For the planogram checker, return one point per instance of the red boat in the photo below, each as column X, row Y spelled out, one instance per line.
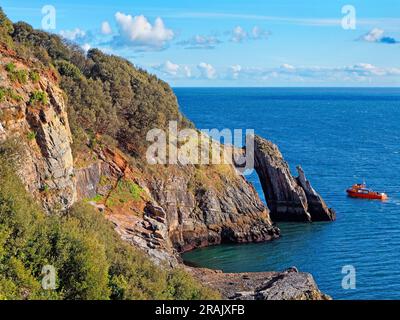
column 361, row 191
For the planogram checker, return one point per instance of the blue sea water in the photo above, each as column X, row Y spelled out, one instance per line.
column 340, row 137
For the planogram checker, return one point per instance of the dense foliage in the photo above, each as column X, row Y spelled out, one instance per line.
column 106, row 94
column 91, row 261
column 107, row 97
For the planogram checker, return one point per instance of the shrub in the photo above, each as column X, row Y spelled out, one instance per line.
column 34, row 76
column 125, row 191
column 10, row 67
column 31, row 135
column 13, row 95
column 20, row 76
column 38, row 97
column 9, row 93
column 90, row 259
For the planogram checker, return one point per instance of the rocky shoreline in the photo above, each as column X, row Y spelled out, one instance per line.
column 287, row 285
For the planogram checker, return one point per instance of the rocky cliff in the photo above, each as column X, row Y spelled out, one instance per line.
column 183, row 208
column 163, row 210
column 33, row 116
column 289, row 198
column 205, row 215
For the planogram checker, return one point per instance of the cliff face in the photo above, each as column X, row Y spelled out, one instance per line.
column 185, row 208
column 40, row 131
column 170, row 215
column 287, row 285
column 288, row 198
column 164, row 210
column 203, row 216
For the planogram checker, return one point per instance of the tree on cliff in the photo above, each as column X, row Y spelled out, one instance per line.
column 106, row 94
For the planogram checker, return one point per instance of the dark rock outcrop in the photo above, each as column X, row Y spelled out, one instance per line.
column 199, row 217
column 287, row 285
column 288, row 198
column 316, row 205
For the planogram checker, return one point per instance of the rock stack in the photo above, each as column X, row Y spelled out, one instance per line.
column 288, row 198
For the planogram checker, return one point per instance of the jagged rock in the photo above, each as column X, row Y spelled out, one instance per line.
column 286, row 285
column 316, row 205
column 288, row 198
column 42, row 132
column 202, row 217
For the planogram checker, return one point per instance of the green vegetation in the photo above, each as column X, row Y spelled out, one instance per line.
column 125, row 191
column 90, row 259
column 107, row 97
column 6, row 29
column 106, row 94
column 9, row 94
column 20, row 76
column 10, row 67
column 31, row 135
column 34, row 76
column 96, row 198
column 38, row 97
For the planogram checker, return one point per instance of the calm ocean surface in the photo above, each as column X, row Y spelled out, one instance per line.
column 340, row 137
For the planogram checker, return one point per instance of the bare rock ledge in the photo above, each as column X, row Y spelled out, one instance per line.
column 287, row 285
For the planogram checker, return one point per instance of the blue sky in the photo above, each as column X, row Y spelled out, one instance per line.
column 236, row 43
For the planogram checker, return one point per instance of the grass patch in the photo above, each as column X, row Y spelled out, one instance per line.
column 31, row 135
column 34, row 76
column 125, row 191
column 97, row 198
column 9, row 94
column 10, row 67
column 20, row 76
column 38, row 97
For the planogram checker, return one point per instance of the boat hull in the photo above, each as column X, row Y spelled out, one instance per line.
column 371, row 196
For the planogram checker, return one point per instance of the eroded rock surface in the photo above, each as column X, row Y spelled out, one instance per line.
column 199, row 217
column 41, row 134
column 287, row 285
column 288, row 198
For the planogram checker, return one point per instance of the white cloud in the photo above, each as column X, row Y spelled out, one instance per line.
column 200, row 42
column 374, row 35
column 86, row 47
column 188, row 71
column 73, row 35
column 174, row 70
column 106, row 28
column 287, row 67
column 170, row 68
column 259, row 33
column 235, row 71
column 377, row 35
column 286, row 72
column 238, row 34
column 138, row 31
column 207, row 70
column 367, row 69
